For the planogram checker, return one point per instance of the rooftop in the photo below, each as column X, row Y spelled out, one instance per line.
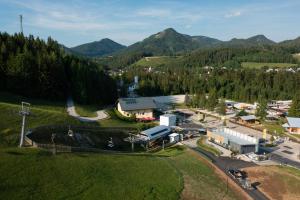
column 141, row 103
column 293, row 122
column 248, row 117
column 156, row 132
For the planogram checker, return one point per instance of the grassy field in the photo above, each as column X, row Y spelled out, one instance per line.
column 42, row 113
column 273, row 127
column 277, row 182
column 256, row 65
column 157, row 61
column 34, row 174
column 87, row 110
column 200, row 181
column 201, row 144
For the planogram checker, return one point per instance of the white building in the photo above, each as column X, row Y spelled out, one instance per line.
column 167, row 120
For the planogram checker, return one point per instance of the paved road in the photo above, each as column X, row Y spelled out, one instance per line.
column 224, row 163
column 101, row 114
column 282, row 160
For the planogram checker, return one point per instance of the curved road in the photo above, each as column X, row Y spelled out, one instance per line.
column 101, row 114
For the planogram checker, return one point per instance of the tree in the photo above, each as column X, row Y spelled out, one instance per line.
column 294, row 111
column 242, row 113
column 261, row 110
column 212, row 100
column 221, row 109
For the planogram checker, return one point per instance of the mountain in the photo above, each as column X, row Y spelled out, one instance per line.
column 206, row 42
column 258, row 40
column 98, row 48
column 169, row 42
column 292, row 46
column 166, row 42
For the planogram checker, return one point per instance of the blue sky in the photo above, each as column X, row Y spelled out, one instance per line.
column 73, row 22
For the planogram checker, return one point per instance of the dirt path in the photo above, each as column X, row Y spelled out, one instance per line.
column 101, row 114
column 275, row 182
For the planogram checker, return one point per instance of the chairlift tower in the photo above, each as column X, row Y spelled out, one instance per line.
column 131, row 140
column 21, row 23
column 25, row 111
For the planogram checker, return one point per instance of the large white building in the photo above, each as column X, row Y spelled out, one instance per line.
column 141, row 108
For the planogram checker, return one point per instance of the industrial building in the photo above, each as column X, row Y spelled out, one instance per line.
column 233, row 140
column 155, row 133
column 142, row 108
column 167, row 120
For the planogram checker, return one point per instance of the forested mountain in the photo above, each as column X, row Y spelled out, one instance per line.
column 255, row 41
column 206, row 42
column 167, row 42
column 170, row 42
column 35, row 68
column 293, row 46
column 98, row 48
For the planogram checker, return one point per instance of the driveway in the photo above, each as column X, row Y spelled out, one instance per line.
column 101, row 114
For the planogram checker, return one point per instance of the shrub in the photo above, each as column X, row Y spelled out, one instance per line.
column 122, row 117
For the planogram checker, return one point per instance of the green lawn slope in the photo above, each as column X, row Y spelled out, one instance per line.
column 35, row 174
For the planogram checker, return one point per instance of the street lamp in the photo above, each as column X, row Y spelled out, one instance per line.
column 25, row 111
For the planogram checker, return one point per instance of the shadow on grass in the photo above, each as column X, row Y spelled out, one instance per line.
column 15, row 153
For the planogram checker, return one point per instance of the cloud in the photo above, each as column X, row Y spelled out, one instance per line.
column 233, row 14
column 154, row 12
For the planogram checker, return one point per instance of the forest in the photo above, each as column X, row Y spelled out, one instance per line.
column 247, row 85
column 35, row 68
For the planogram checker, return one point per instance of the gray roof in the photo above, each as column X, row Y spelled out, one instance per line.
column 140, row 103
column 248, row 117
column 156, row 132
column 293, row 122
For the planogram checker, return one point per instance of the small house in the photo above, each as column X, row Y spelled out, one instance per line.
column 292, row 125
column 248, row 119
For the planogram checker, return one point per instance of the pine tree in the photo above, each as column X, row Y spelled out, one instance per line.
column 294, row 111
column 221, row 109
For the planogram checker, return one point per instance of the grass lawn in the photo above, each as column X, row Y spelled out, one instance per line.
column 86, row 110
column 202, row 144
column 42, row 113
column 200, row 180
column 273, row 127
column 34, row 174
column 278, row 182
column 260, row 65
column 157, row 61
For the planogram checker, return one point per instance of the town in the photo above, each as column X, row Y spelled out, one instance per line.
column 169, row 100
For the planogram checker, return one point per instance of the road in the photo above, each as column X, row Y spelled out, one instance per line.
column 224, row 163
column 101, row 114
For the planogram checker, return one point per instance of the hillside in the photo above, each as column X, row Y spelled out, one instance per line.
column 98, row 48
column 255, row 41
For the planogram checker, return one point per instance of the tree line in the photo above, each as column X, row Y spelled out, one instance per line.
column 36, row 68
column 247, row 85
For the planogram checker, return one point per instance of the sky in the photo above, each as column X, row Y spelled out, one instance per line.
column 74, row 22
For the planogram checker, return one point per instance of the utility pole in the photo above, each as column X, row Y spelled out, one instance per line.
column 131, row 139
column 21, row 23
column 25, row 111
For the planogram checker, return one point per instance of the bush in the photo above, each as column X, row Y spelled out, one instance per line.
column 122, row 117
